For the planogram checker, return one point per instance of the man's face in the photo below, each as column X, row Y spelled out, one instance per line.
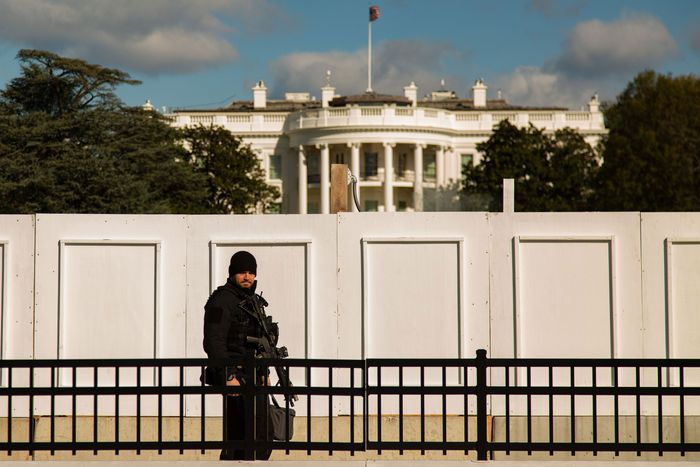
column 244, row 279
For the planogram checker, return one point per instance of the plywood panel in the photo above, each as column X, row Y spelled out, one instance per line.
column 109, row 286
column 564, row 292
column 412, row 299
column 296, row 258
column 683, row 276
column 16, row 301
column 108, row 300
column 282, row 279
column 684, row 291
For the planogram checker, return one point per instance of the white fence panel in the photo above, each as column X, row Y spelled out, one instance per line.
column 413, row 285
column 296, row 273
column 564, row 285
column 373, row 285
column 109, row 286
column 16, row 298
column 670, row 278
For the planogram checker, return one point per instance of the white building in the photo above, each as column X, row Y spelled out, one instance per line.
column 406, row 153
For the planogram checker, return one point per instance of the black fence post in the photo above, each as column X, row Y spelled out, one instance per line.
column 249, row 404
column 365, row 406
column 481, row 414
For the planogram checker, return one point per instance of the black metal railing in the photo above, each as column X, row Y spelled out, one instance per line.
column 477, row 406
column 634, row 390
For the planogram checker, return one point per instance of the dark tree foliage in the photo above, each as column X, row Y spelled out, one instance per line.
column 651, row 159
column 235, row 181
column 551, row 173
column 101, row 161
column 68, row 144
column 57, row 85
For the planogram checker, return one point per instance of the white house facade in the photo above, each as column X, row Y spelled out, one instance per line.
column 406, row 153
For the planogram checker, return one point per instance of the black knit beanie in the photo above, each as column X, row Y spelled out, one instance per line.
column 242, row 261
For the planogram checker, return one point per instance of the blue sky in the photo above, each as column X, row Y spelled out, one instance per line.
column 204, row 53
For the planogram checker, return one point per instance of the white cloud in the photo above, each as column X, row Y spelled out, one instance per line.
column 596, row 57
column 397, row 63
column 596, row 48
column 142, row 35
column 394, row 65
column 534, row 86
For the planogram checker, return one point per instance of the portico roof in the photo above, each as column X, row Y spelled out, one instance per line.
column 370, row 98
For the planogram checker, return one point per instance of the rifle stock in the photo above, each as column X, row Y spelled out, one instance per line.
column 268, row 350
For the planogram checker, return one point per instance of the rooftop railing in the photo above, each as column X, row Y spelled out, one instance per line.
column 391, row 117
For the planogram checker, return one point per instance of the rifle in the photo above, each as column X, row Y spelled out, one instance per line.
column 267, row 343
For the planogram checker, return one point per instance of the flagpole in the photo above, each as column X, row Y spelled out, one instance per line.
column 373, row 15
column 369, row 56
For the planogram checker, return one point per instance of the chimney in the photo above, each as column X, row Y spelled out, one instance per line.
column 259, row 95
column 147, row 106
column 327, row 91
column 594, row 104
column 327, row 94
column 479, row 93
column 411, row 92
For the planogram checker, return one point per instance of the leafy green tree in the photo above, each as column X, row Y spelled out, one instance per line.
column 551, row 173
column 651, row 158
column 99, row 161
column 57, row 85
column 68, row 144
column 235, row 180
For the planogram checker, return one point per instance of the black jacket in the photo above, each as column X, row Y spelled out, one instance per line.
column 229, row 320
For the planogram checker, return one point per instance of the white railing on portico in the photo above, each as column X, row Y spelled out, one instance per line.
column 437, row 119
column 391, row 117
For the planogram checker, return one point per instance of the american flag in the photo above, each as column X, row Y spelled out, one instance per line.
column 373, row 13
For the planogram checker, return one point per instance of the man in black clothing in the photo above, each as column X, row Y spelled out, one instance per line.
column 229, row 319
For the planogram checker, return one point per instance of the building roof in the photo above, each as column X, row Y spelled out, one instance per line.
column 270, row 106
column 370, row 98
column 468, row 104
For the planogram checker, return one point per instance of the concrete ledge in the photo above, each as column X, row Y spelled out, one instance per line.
column 605, row 434
column 341, row 432
column 368, row 463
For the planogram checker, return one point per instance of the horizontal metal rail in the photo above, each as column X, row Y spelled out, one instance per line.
column 359, row 405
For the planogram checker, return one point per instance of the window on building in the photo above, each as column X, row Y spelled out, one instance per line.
column 467, row 160
column 312, row 208
column 313, row 169
column 275, row 167
column 371, row 205
column 339, row 158
column 371, row 164
column 402, row 206
column 429, row 167
column 401, row 165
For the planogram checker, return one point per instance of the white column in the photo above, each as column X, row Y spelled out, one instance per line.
column 303, row 181
column 389, row 177
column 458, row 165
column 418, row 177
column 450, row 166
column 325, row 180
column 440, row 167
column 355, row 169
